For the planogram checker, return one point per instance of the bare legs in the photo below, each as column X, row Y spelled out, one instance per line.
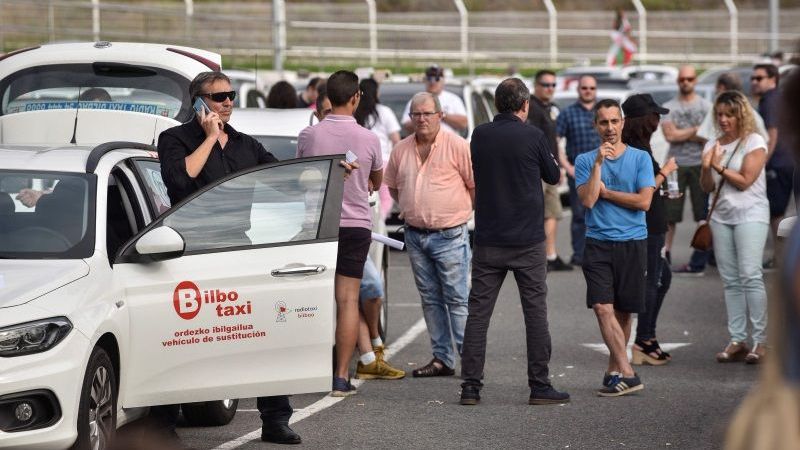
column 615, row 327
column 347, row 321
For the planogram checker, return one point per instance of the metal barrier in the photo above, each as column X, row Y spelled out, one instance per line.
column 356, row 32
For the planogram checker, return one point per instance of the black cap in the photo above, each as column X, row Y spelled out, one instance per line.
column 434, row 71
column 640, row 105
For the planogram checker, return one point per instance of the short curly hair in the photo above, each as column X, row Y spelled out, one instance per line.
column 740, row 108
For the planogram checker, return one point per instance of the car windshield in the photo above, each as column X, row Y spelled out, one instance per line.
column 46, row 215
column 111, row 86
column 282, row 147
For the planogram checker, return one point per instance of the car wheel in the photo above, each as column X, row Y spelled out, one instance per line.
column 383, row 317
column 97, row 411
column 210, row 414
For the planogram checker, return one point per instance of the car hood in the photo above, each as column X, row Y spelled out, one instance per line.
column 24, row 280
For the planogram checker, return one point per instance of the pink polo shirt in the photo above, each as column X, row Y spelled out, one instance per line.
column 338, row 134
column 433, row 194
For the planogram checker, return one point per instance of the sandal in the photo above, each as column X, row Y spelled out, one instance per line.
column 734, row 352
column 659, row 351
column 642, row 353
column 756, row 354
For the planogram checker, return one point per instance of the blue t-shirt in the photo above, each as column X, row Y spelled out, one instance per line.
column 631, row 172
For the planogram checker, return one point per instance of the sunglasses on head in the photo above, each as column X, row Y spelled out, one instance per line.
column 220, row 97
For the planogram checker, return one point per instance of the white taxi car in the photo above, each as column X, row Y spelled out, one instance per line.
column 110, row 302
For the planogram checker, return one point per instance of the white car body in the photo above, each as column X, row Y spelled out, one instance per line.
column 151, row 315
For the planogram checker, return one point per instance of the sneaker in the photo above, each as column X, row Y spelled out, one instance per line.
column 734, row 352
column 687, row 271
column 378, row 370
column 470, row 394
column 342, row 388
column 547, row 395
column 756, row 354
column 611, row 378
column 622, row 386
column 558, row 265
column 379, row 351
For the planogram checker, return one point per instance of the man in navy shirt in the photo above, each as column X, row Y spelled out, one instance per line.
column 615, row 183
column 576, row 124
column 510, row 159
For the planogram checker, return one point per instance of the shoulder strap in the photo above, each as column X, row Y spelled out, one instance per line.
column 722, row 181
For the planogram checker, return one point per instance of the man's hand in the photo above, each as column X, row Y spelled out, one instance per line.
column 211, row 123
column 370, row 187
column 29, row 197
column 669, row 166
column 349, row 168
column 603, row 190
column 606, row 150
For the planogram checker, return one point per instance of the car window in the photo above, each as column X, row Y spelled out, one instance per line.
column 479, row 110
column 154, row 187
column 282, row 147
column 107, row 86
column 46, row 215
column 490, row 101
column 277, row 205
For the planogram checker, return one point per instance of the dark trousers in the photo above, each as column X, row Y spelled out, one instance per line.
column 659, row 278
column 578, row 224
column 274, row 410
column 489, row 268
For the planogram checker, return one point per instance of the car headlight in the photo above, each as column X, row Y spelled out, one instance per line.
column 33, row 337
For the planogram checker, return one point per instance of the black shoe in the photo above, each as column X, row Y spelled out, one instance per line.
column 547, row 395
column 279, row 433
column 470, row 394
column 558, row 265
column 668, row 257
column 433, row 370
column 575, row 261
column 622, row 386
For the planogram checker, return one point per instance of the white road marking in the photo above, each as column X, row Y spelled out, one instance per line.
column 328, row 401
column 667, row 346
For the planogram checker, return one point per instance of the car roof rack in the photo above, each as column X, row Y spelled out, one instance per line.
column 99, row 151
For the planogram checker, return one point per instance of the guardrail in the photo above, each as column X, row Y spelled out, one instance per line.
column 357, row 32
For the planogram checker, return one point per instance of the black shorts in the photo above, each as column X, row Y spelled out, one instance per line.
column 616, row 272
column 353, row 249
column 779, row 189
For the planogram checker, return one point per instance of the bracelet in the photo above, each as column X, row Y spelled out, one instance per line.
column 720, row 170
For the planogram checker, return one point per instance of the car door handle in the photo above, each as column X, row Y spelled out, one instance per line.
column 298, row 271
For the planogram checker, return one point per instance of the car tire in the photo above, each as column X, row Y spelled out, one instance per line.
column 210, row 414
column 383, row 317
column 99, row 401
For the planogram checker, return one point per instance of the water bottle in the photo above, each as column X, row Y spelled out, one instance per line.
column 672, row 185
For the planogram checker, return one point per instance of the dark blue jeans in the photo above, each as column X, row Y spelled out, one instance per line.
column 578, row 225
column 659, row 277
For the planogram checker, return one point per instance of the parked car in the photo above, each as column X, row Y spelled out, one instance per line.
column 109, row 307
column 250, row 88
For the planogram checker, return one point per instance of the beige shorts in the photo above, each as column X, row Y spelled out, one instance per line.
column 552, row 202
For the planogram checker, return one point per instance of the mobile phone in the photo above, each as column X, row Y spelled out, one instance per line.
column 199, row 105
column 350, row 157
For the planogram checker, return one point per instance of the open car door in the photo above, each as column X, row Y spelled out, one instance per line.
column 230, row 292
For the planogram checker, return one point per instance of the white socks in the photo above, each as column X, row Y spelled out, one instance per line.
column 377, row 342
column 367, row 358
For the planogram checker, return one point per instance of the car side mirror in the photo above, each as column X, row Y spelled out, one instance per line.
column 160, row 244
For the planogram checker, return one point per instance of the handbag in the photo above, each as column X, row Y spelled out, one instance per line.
column 702, row 239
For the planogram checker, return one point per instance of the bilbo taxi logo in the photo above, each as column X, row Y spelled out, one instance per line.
column 188, row 299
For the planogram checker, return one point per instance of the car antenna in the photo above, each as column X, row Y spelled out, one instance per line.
column 155, row 127
column 77, row 107
column 258, row 88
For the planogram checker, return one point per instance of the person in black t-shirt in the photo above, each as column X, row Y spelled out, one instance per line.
column 641, row 120
column 510, row 159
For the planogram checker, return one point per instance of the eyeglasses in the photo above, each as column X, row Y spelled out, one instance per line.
column 220, row 97
column 418, row 115
column 588, row 88
column 757, row 78
column 547, row 85
column 686, row 79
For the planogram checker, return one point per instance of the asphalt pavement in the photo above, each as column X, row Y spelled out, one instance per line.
column 686, row 404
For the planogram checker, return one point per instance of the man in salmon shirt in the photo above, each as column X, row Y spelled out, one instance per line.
column 336, row 134
column 430, row 176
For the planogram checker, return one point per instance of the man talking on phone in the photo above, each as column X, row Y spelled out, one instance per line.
column 615, row 183
column 192, row 156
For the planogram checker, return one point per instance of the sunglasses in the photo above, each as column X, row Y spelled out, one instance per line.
column 686, row 79
column 547, row 85
column 588, row 88
column 433, row 79
column 757, row 78
column 220, row 97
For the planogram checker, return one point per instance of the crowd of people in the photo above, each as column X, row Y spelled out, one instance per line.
column 737, row 172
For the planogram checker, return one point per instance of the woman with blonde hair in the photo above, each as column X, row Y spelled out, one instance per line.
column 733, row 172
